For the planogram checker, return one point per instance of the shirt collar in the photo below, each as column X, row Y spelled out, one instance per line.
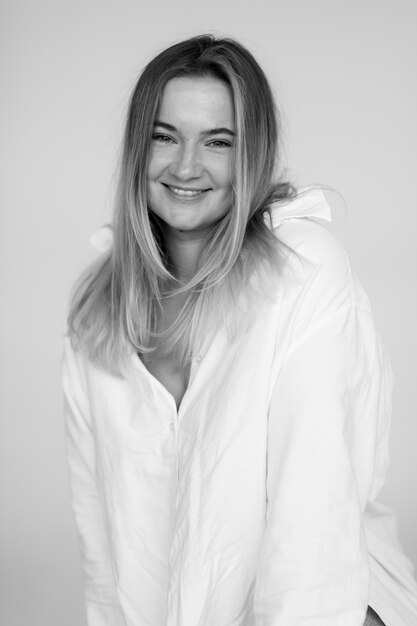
column 309, row 202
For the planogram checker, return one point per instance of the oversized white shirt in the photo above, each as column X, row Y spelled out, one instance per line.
column 255, row 503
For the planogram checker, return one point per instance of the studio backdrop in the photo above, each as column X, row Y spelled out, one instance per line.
column 344, row 75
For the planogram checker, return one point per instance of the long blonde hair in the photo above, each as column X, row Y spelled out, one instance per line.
column 117, row 302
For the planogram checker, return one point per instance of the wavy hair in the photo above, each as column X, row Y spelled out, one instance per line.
column 117, row 303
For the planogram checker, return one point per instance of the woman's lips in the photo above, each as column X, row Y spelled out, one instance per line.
column 185, row 193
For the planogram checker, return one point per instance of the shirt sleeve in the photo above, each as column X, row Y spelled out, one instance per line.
column 100, row 592
column 328, row 413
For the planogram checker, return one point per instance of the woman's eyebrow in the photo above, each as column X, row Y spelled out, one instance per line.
column 222, row 130
column 218, row 131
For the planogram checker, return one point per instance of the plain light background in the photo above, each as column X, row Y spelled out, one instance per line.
column 344, row 73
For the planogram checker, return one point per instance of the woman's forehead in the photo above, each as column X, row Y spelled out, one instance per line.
column 205, row 100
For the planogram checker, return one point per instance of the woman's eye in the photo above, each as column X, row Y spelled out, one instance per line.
column 220, row 143
column 161, row 138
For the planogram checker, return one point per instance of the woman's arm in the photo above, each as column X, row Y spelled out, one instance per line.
column 100, row 593
column 327, row 413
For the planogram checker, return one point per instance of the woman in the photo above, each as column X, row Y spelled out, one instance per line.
column 227, row 396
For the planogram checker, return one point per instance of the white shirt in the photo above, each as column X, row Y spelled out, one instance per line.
column 254, row 505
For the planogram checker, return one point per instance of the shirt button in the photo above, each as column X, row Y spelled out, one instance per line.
column 172, row 427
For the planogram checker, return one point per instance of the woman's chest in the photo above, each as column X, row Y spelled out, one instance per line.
column 226, row 388
column 171, row 374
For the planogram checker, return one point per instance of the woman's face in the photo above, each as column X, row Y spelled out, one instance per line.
column 189, row 173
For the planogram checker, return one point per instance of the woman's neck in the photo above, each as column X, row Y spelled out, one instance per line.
column 184, row 249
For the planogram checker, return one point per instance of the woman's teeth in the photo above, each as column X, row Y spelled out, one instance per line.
column 185, row 192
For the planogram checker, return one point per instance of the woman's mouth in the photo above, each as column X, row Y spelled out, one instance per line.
column 184, row 192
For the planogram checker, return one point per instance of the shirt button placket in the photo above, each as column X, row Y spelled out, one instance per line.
column 172, row 430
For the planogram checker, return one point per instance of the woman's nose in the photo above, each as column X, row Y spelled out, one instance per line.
column 187, row 163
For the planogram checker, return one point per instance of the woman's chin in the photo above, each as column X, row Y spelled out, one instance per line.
column 188, row 228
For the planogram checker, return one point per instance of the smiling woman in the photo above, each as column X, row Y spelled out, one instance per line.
column 227, row 394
